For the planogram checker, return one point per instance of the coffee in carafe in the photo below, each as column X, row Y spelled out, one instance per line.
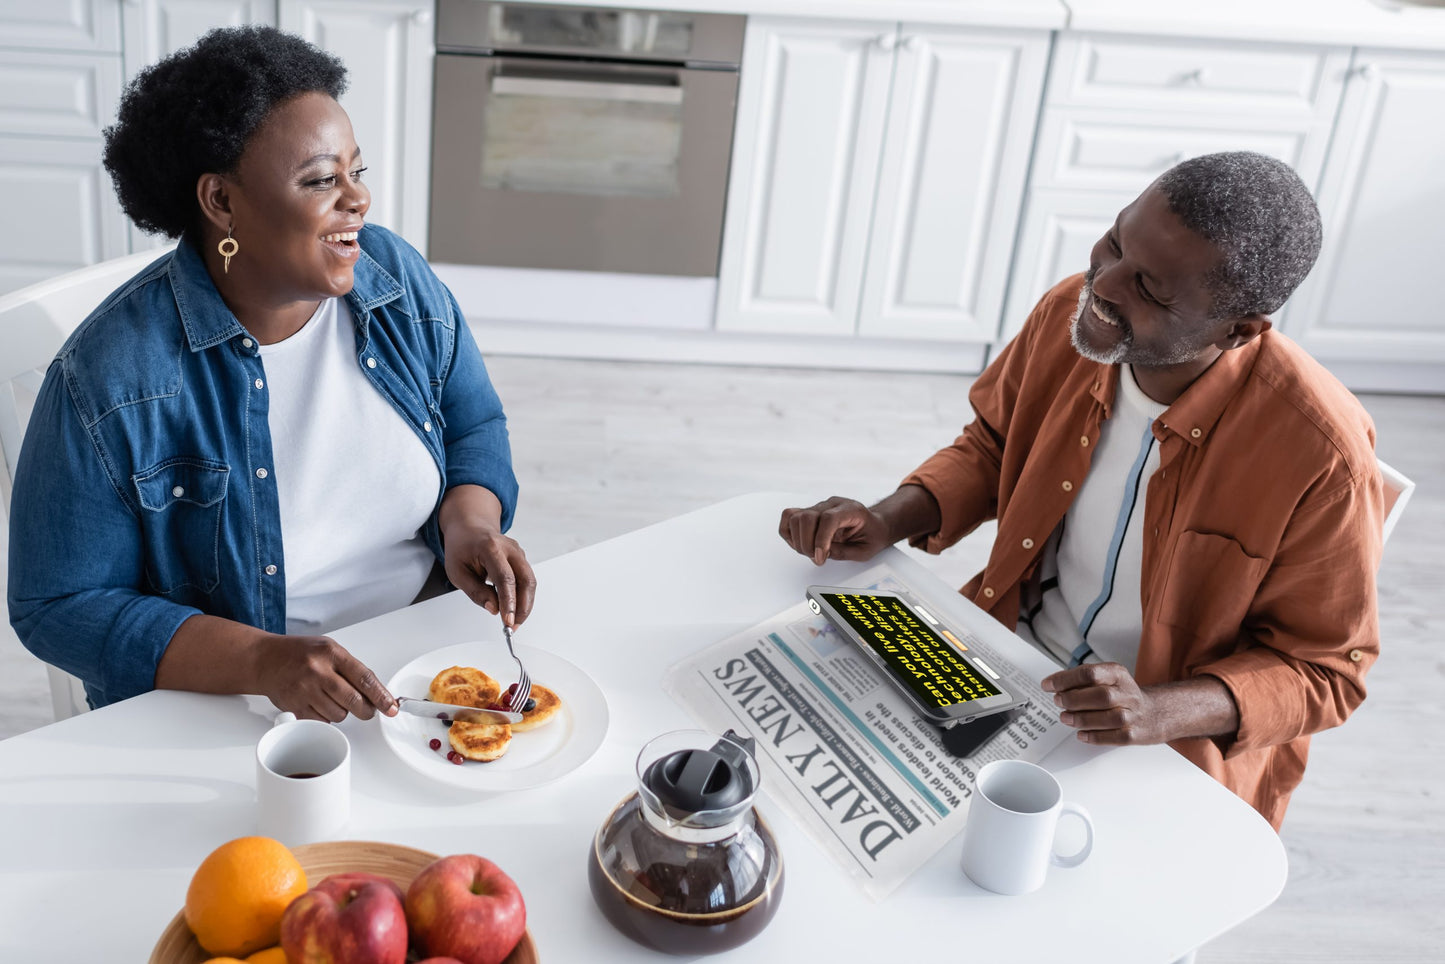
column 685, row 865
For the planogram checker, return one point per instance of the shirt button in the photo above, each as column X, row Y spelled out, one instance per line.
column 1084, row 440
column 371, row 363
column 270, row 570
column 260, row 384
column 1028, row 543
column 988, row 592
column 426, row 426
column 1356, row 655
column 247, row 342
column 178, row 491
column 1068, row 486
column 1195, row 433
column 261, row 473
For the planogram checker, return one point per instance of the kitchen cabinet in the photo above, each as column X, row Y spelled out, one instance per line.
column 56, row 190
column 62, row 69
column 60, row 79
column 74, row 25
column 877, row 172
column 1121, row 110
column 900, row 193
column 388, row 50
column 1370, row 309
column 154, row 29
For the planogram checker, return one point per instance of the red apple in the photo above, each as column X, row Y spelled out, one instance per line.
column 464, row 906
column 352, row 918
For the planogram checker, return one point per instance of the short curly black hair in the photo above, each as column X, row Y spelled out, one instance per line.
column 192, row 114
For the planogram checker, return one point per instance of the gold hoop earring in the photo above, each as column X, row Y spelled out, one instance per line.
column 228, row 248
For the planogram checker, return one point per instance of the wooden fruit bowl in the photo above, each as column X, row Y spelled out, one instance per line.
column 178, row 945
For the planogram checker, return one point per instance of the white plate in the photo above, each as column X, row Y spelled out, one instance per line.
column 535, row 757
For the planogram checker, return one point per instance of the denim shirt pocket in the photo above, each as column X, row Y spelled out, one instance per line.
column 181, row 505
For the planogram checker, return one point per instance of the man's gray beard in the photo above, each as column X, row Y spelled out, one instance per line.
column 1179, row 353
column 1114, row 355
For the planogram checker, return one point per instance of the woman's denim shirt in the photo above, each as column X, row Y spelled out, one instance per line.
column 144, row 495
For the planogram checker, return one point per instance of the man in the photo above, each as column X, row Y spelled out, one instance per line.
column 1189, row 508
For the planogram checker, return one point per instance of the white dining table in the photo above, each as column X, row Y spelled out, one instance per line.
column 104, row 817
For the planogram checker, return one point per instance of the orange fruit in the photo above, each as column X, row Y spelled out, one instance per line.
column 271, row 955
column 238, row 894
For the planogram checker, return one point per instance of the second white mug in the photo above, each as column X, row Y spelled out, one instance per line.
column 303, row 781
column 1008, row 841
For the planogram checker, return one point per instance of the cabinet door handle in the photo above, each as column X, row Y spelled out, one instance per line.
column 1369, row 71
column 1195, row 78
column 886, row 41
column 421, row 17
column 912, row 42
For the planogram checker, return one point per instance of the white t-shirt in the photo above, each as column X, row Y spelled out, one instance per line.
column 1084, row 604
column 355, row 482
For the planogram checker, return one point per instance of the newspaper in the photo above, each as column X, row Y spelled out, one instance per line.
column 839, row 747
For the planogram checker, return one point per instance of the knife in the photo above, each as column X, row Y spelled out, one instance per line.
column 450, row 711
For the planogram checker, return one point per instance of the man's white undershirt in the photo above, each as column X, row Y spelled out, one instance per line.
column 1083, row 605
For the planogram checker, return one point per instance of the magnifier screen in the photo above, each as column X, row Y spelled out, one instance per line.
column 921, row 658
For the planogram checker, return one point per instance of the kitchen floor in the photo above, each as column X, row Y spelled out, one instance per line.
column 602, row 448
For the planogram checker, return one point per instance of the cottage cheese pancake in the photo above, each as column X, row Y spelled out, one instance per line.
column 483, row 742
column 464, row 686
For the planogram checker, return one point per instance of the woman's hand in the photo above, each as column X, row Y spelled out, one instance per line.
column 317, row 679
column 489, row 567
column 492, row 570
column 311, row 676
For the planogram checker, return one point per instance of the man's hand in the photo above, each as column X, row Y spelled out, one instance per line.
column 836, row 528
column 1108, row 707
column 317, row 679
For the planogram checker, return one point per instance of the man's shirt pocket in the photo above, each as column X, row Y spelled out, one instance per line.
column 182, row 501
column 1209, row 586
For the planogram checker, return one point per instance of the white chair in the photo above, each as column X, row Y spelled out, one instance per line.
column 1397, row 492
column 34, row 323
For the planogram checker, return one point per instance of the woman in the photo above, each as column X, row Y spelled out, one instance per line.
column 280, row 428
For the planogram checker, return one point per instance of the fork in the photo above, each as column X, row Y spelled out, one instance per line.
column 521, row 691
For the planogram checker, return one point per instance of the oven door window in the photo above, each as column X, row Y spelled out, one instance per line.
column 613, row 132
column 633, row 33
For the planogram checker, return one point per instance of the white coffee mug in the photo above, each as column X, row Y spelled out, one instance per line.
column 303, row 781
column 1008, row 841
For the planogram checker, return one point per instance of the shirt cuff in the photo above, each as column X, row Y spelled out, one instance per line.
column 133, row 651
column 1272, row 698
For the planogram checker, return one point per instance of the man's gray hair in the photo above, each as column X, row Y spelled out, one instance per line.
column 1259, row 214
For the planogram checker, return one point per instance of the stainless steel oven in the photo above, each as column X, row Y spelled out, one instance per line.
column 582, row 138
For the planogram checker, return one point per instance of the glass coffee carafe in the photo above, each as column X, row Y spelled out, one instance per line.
column 685, row 865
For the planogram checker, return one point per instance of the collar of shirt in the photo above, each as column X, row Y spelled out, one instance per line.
column 207, row 321
column 1193, row 415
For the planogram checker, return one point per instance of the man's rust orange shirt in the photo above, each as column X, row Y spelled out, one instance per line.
column 1262, row 528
